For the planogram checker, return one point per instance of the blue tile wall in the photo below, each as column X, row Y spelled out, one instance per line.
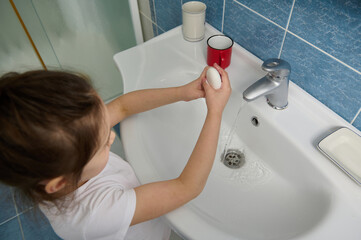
column 262, row 38
column 357, row 122
column 333, row 25
column 276, row 11
column 152, row 10
column 10, row 230
column 155, row 30
column 6, row 204
column 168, row 14
column 21, row 222
column 323, row 77
column 36, row 226
column 321, row 39
column 116, row 129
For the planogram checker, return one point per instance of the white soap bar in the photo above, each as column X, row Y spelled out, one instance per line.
column 213, row 78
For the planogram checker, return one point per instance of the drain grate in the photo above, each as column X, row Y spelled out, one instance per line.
column 234, row 158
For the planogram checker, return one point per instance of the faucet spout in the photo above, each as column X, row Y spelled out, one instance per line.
column 262, row 87
column 274, row 85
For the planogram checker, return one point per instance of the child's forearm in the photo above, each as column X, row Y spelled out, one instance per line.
column 141, row 101
column 196, row 172
column 144, row 100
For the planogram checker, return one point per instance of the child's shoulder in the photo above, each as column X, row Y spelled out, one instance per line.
column 115, row 180
column 117, row 174
column 118, row 166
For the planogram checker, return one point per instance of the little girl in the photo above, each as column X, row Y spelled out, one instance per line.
column 55, row 136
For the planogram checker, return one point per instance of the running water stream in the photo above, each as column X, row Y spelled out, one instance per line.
column 252, row 170
column 232, row 131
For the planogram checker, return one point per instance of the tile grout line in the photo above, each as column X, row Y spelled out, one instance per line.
column 144, row 15
column 17, row 215
column 21, row 228
column 324, row 52
column 155, row 16
column 357, row 114
column 288, row 23
column 7, row 220
column 260, row 15
column 151, row 20
column 305, row 41
column 223, row 14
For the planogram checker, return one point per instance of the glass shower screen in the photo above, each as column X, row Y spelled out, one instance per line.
column 81, row 36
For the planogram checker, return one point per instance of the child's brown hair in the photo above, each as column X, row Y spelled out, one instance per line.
column 49, row 127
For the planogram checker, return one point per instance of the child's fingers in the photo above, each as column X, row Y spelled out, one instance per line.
column 206, row 86
column 221, row 70
column 203, row 74
column 224, row 75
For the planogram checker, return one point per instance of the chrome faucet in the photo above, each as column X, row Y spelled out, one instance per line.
column 274, row 85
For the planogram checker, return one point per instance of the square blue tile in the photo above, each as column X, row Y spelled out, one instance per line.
column 252, row 32
column 116, row 129
column 11, row 230
column 276, row 10
column 159, row 30
column 168, row 13
column 152, row 11
column 357, row 122
column 332, row 83
column 7, row 208
column 21, row 202
column 214, row 12
column 155, row 30
column 333, row 25
column 36, row 226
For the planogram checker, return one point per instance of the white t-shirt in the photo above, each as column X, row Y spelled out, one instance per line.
column 103, row 208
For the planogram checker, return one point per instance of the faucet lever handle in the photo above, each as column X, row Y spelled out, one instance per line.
column 277, row 67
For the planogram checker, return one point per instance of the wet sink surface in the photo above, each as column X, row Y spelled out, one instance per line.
column 286, row 189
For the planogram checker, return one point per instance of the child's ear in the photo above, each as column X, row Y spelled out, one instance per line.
column 55, row 184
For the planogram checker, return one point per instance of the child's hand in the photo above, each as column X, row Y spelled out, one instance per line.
column 217, row 99
column 194, row 90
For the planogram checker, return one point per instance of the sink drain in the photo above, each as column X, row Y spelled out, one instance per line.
column 234, row 158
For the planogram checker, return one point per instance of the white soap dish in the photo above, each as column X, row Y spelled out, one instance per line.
column 343, row 147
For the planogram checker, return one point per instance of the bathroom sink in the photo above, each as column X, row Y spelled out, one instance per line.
column 285, row 189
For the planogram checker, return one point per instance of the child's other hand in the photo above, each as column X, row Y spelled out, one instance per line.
column 217, row 99
column 194, row 90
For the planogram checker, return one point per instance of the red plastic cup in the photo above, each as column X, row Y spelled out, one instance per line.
column 219, row 50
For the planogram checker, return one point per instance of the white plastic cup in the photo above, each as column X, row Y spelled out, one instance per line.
column 194, row 16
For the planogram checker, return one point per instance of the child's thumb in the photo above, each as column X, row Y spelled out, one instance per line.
column 205, row 85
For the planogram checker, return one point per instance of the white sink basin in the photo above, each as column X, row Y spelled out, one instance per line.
column 285, row 190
